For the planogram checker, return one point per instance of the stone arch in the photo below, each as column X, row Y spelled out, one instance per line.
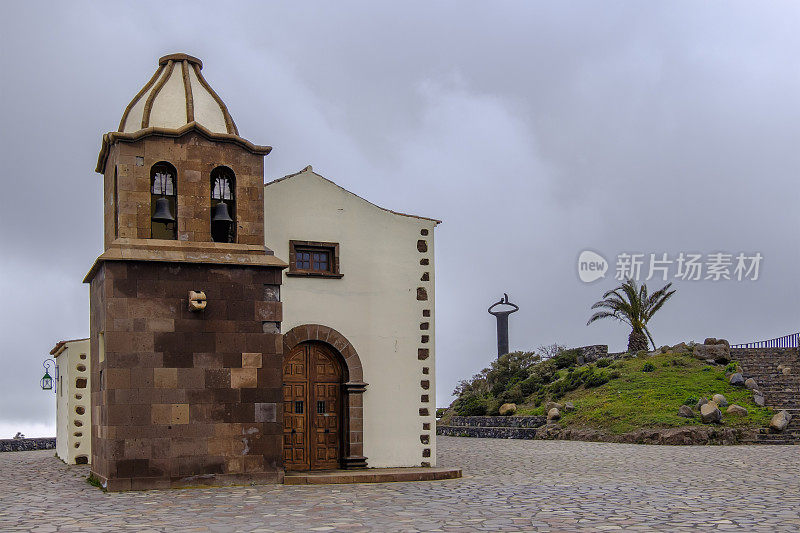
column 353, row 389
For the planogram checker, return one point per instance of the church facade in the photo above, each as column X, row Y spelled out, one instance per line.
column 239, row 331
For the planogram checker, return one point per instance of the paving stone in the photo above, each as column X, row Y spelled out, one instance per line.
column 514, row 485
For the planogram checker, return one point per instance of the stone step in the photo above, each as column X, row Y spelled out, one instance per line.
column 371, row 475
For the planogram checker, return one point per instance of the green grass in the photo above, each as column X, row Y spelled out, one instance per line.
column 640, row 399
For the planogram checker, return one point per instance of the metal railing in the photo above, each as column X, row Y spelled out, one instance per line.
column 787, row 341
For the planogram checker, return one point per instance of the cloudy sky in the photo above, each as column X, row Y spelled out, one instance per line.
column 534, row 130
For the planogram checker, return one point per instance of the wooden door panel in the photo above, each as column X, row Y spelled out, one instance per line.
column 312, row 378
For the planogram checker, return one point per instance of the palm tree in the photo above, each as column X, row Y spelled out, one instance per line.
column 631, row 304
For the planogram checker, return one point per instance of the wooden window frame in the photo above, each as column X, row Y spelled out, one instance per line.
column 331, row 248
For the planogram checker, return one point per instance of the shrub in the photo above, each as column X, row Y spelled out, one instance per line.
column 648, row 367
column 614, row 374
column 471, row 405
column 707, row 369
column 602, row 363
column 440, row 412
column 733, row 366
column 565, row 358
column 595, row 379
column 691, row 401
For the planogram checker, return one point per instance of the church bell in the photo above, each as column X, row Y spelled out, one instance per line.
column 221, row 213
column 162, row 213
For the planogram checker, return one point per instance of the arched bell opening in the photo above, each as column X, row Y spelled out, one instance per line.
column 163, row 201
column 223, row 205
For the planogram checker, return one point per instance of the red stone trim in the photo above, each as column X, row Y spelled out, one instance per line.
column 138, row 96
column 148, row 105
column 229, row 123
column 351, row 391
column 187, row 87
column 180, row 57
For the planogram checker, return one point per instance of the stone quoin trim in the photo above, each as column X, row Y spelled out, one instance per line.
column 424, row 353
column 352, row 391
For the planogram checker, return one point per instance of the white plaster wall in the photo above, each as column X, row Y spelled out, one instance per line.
column 374, row 305
column 73, row 441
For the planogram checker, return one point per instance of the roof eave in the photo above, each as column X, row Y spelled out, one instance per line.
column 109, row 139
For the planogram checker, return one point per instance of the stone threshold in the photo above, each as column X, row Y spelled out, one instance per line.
column 371, row 475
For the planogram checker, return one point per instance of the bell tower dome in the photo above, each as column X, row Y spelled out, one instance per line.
column 185, row 298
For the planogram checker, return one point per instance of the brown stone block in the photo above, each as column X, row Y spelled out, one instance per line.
column 161, row 414
column 251, row 360
column 241, row 310
column 261, row 342
column 356, row 424
column 207, row 360
column 117, row 378
column 188, row 447
column 140, row 414
column 137, row 449
column 199, row 396
column 355, row 400
column 124, row 468
column 173, row 395
column 218, row 378
column 178, row 359
column 165, row 378
column 232, row 360
column 269, row 378
column 160, row 324
column 118, row 485
column 160, row 449
column 271, row 311
column 119, row 415
column 243, row 412
column 191, row 378
column 180, row 413
column 253, row 463
column 244, row 377
column 226, row 395
column 142, row 378
column 233, row 465
column 199, row 412
column 120, row 324
column 230, row 343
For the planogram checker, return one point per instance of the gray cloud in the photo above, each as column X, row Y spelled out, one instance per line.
column 533, row 130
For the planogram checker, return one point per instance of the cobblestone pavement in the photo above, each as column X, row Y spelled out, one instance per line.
column 509, row 485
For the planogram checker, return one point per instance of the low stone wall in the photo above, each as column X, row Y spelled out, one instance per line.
column 24, row 445
column 590, row 354
column 688, row 435
column 498, row 421
column 487, row 432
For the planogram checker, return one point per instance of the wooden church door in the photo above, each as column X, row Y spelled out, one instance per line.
column 312, row 408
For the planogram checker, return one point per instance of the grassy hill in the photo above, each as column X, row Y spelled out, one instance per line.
column 637, row 399
column 613, row 396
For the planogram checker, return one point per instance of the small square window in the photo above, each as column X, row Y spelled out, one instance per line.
column 311, row 258
column 320, row 407
column 298, row 407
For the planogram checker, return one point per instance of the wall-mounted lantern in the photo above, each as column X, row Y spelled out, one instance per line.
column 47, row 382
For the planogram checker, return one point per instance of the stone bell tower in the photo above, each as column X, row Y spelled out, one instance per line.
column 185, row 300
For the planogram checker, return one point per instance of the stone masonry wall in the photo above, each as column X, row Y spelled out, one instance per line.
column 127, row 181
column 185, row 398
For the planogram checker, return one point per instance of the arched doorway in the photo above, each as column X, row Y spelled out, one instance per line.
column 312, row 407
